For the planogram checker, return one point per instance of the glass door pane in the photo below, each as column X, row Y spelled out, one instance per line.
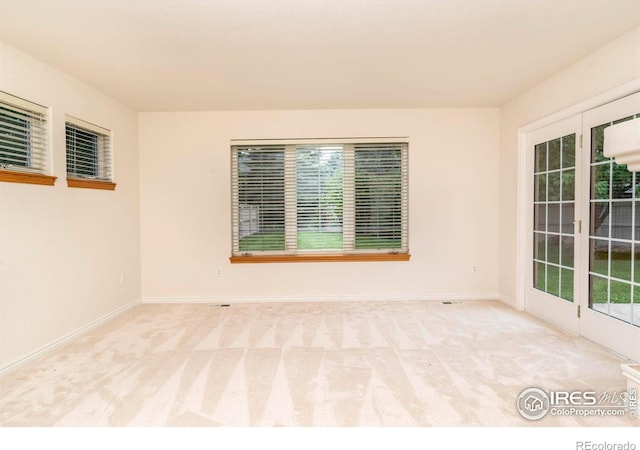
column 614, row 240
column 554, row 212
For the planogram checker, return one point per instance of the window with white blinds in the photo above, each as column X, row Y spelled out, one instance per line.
column 88, row 150
column 293, row 198
column 23, row 135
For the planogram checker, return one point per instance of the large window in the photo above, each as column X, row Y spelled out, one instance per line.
column 88, row 155
column 315, row 200
column 23, row 141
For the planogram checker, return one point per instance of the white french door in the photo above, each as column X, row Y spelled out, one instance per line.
column 610, row 314
column 553, row 286
column 584, row 250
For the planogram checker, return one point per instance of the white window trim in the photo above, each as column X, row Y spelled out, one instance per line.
column 24, row 104
column 87, row 125
column 320, row 141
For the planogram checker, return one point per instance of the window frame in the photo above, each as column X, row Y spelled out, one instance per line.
column 103, row 163
column 290, row 205
column 36, row 142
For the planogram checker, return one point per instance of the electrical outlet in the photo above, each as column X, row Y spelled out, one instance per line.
column 219, row 271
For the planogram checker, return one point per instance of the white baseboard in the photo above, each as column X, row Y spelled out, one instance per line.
column 328, row 298
column 64, row 339
column 509, row 301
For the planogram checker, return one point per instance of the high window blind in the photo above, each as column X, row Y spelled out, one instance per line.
column 305, row 198
column 23, row 135
column 88, row 150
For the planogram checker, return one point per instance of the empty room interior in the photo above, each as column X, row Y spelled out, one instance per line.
column 319, row 213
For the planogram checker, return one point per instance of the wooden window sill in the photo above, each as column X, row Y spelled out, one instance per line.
column 90, row 184
column 26, row 177
column 339, row 257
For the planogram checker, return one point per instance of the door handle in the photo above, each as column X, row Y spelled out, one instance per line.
column 579, row 224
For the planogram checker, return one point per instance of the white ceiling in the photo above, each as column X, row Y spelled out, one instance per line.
column 160, row 55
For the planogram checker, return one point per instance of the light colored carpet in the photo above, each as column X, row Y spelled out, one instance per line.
column 308, row 364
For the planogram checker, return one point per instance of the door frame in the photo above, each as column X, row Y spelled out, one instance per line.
column 522, row 213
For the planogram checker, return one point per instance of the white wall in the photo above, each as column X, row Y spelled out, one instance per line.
column 185, row 206
column 609, row 67
column 62, row 250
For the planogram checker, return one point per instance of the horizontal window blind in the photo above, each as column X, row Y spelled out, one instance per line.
column 380, row 196
column 23, row 135
column 88, row 151
column 319, row 197
column 259, row 199
column 301, row 198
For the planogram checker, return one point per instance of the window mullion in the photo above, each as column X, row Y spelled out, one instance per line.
column 235, row 213
column 348, row 199
column 405, row 197
column 290, row 202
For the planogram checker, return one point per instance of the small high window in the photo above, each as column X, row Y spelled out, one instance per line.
column 23, row 141
column 88, row 155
